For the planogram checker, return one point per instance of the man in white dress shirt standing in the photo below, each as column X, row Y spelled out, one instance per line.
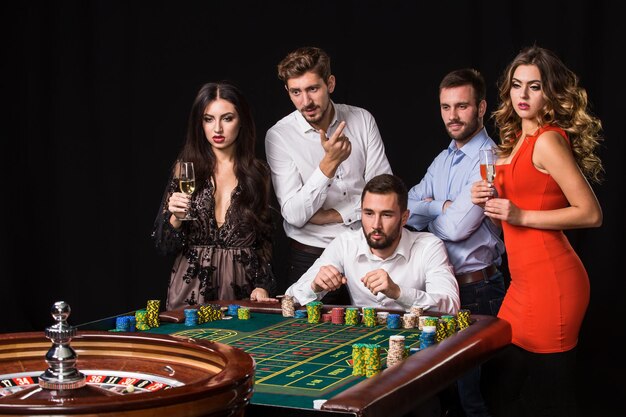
column 320, row 156
column 384, row 264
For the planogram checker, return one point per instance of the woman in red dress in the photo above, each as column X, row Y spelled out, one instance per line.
column 546, row 156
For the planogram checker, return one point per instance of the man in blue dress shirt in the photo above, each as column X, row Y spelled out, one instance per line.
column 441, row 203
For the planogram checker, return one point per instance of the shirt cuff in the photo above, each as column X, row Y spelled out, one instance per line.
column 304, row 295
column 318, row 179
column 348, row 214
column 406, row 298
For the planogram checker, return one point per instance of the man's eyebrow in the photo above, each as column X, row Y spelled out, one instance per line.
column 382, row 211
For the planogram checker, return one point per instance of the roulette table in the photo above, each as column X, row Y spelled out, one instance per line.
column 297, row 362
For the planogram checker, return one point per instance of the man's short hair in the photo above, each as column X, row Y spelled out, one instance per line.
column 303, row 60
column 466, row 76
column 387, row 184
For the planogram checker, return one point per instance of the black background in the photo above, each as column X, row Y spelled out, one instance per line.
column 96, row 96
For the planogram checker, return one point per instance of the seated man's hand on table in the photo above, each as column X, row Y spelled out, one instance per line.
column 261, row 295
column 379, row 280
column 328, row 278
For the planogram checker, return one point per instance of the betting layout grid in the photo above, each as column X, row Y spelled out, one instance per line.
column 314, row 356
column 302, row 358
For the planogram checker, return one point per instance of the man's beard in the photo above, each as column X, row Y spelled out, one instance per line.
column 314, row 119
column 469, row 130
column 385, row 242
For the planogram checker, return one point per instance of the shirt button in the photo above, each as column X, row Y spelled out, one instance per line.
column 329, row 185
column 349, row 220
column 344, row 193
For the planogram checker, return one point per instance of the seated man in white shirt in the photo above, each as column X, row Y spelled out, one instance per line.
column 384, row 264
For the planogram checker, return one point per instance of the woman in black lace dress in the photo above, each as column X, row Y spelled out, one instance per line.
column 225, row 253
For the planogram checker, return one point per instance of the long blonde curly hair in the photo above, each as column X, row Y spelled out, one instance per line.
column 566, row 107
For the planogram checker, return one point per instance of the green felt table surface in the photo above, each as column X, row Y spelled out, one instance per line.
column 297, row 361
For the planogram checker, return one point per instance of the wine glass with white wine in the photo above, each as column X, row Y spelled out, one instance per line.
column 187, row 183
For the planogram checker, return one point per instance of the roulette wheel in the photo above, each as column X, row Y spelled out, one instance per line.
column 104, row 373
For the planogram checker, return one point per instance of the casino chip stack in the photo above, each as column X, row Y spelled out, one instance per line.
column 132, row 323
column 337, row 315
column 243, row 313
column 314, row 312
column 409, row 321
column 427, row 337
column 141, row 320
column 430, row 321
column 122, row 324
column 232, row 310
column 191, row 317
column 358, row 359
column 209, row 312
column 372, row 360
column 395, row 354
column 369, row 316
column 352, row 316
column 381, row 318
column 365, row 359
column 450, row 322
column 287, row 305
column 417, row 310
column 463, row 318
column 440, row 330
column 300, row 314
column 152, row 313
column 393, row 321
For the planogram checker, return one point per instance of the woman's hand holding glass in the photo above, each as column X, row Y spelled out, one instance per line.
column 481, row 192
column 178, row 205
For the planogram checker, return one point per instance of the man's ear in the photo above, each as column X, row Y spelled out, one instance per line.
column 405, row 216
column 482, row 108
column 331, row 83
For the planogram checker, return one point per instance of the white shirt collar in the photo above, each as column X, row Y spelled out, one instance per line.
column 306, row 127
column 403, row 249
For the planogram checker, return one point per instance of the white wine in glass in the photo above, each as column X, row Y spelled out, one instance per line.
column 488, row 164
column 187, row 183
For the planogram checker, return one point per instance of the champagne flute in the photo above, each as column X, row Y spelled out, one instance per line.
column 488, row 164
column 187, row 183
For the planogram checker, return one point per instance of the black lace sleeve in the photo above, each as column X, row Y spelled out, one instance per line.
column 266, row 279
column 167, row 239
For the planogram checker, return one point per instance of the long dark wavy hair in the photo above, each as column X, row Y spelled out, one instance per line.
column 252, row 173
column 566, row 107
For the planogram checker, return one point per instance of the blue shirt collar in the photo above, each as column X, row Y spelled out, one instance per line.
column 480, row 140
